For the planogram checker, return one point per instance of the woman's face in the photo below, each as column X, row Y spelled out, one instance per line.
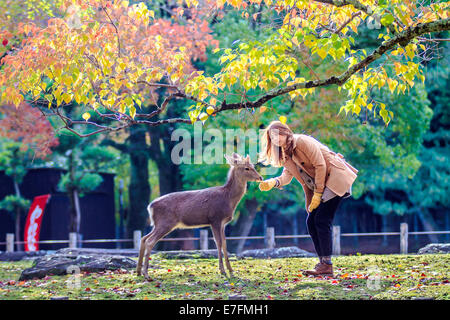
column 277, row 139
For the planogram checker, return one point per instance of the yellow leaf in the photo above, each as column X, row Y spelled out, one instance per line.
column 132, row 111
column 410, row 51
column 203, row 116
column 282, row 119
column 210, row 110
column 262, row 109
column 322, row 53
column 286, row 18
column 392, row 84
column 86, row 116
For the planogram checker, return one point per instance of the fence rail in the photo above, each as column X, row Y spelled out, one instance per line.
column 269, row 238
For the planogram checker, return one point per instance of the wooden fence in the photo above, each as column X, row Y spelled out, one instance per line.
column 269, row 238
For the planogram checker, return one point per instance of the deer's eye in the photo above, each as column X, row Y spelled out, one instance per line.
column 247, row 169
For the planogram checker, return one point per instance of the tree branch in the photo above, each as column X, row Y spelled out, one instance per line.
column 342, row 3
column 402, row 38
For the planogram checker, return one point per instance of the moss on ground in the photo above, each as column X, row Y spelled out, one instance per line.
column 356, row 277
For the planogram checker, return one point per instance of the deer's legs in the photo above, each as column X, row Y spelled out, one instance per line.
column 156, row 235
column 218, row 239
column 142, row 252
column 224, row 248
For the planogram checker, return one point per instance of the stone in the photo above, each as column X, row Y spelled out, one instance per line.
column 58, row 264
column 284, row 252
column 97, row 251
column 435, row 248
column 190, row 254
column 59, row 298
column 237, row 297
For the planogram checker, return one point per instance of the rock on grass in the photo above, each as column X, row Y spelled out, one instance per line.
column 435, row 248
column 58, row 264
column 284, row 252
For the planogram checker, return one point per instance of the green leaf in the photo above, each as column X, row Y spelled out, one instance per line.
column 132, row 111
column 387, row 19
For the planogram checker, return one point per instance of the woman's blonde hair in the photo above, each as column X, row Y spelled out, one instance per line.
column 271, row 154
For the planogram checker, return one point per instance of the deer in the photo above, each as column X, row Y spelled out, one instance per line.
column 213, row 207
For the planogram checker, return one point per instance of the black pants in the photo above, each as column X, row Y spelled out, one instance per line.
column 320, row 226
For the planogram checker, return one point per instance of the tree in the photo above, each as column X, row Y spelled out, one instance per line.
column 362, row 139
column 13, row 14
column 427, row 197
column 83, row 164
column 192, row 36
column 25, row 136
column 29, row 127
column 115, row 58
column 13, row 162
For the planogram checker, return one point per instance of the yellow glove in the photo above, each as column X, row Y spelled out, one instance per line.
column 268, row 184
column 315, row 201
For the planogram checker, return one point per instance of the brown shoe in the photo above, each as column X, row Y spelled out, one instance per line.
column 321, row 269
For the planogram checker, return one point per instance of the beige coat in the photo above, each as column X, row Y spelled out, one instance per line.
column 323, row 165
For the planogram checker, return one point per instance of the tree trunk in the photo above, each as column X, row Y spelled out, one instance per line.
column 245, row 222
column 355, row 230
column 75, row 213
column 19, row 246
column 136, row 215
column 139, row 189
column 170, row 179
column 428, row 223
column 74, row 210
column 384, row 219
column 76, row 200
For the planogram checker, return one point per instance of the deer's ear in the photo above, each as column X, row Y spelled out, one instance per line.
column 231, row 161
column 247, row 159
column 227, row 158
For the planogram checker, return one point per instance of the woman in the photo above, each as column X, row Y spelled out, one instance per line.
column 325, row 176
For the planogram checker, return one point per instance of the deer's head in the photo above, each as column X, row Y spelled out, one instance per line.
column 243, row 167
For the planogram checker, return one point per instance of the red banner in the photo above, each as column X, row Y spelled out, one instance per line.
column 33, row 224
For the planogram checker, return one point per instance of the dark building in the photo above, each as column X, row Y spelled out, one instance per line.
column 97, row 209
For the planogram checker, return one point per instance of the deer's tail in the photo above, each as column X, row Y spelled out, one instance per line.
column 150, row 213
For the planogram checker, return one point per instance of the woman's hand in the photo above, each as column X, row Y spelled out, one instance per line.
column 315, row 201
column 268, row 184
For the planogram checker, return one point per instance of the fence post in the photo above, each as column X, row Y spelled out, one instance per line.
column 403, row 238
column 137, row 235
column 336, row 240
column 10, row 242
column 270, row 238
column 73, row 239
column 204, row 239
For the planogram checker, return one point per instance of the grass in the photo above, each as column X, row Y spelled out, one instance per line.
column 356, row 277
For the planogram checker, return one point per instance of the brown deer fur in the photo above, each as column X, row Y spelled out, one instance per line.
column 212, row 207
